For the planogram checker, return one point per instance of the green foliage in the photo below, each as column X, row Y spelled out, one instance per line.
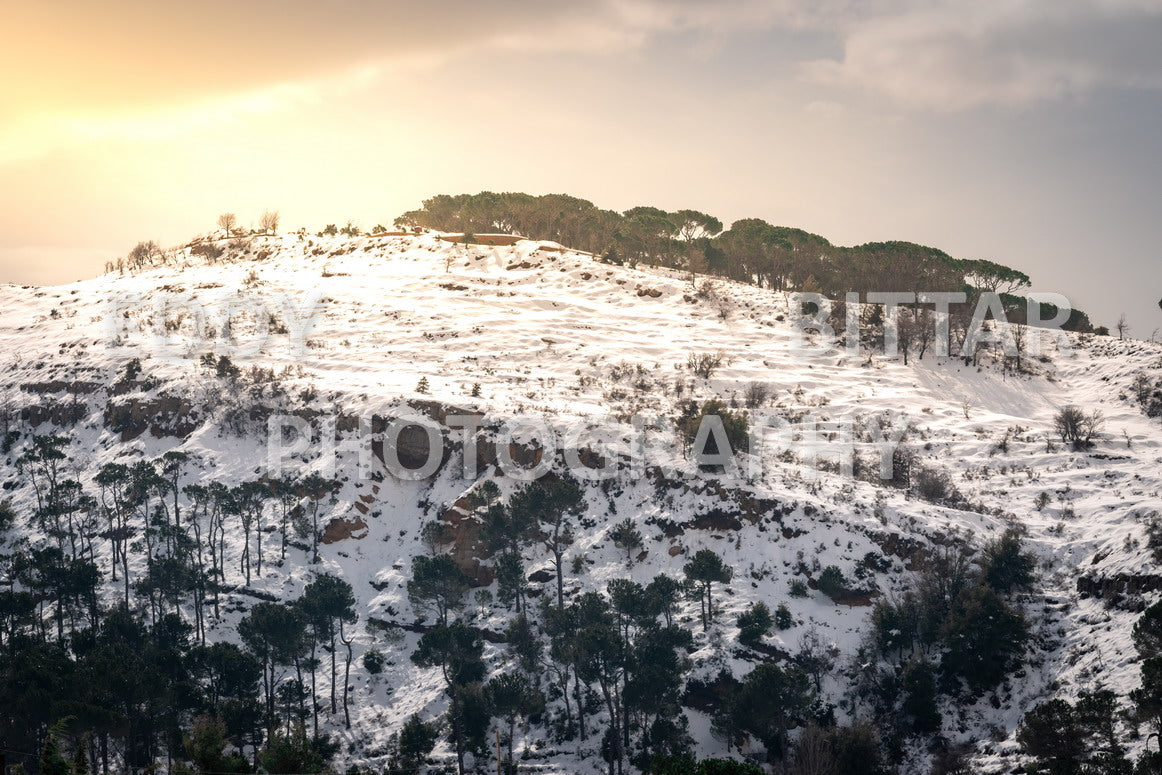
column 1147, row 637
column 783, row 618
column 1147, row 632
column 918, row 684
column 437, row 583
column 702, row 571
column 52, row 758
column 1007, row 568
column 985, row 638
column 205, row 744
column 510, row 580
column 798, row 588
column 293, row 752
column 751, row 250
column 831, row 582
column 7, row 515
column 455, row 649
column 754, row 623
column 626, row 535
column 1052, row 735
column 374, row 661
column 411, row 748
column 734, row 425
column 684, row 764
column 524, row 643
column 769, row 702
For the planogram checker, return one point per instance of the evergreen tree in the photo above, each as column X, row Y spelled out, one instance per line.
column 52, row 758
column 456, row 650
column 437, row 583
column 512, row 696
column 920, row 696
column 754, row 623
column 1051, row 734
column 1007, row 568
column 413, row 745
column 703, row 570
column 984, row 636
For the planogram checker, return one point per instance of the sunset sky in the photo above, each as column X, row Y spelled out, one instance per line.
column 1028, row 132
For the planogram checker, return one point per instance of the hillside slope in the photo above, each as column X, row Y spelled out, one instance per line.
column 537, row 330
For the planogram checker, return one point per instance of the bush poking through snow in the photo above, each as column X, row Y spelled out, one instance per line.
column 754, row 623
column 705, row 364
column 1078, row 428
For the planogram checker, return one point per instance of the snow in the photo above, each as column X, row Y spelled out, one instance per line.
column 546, row 333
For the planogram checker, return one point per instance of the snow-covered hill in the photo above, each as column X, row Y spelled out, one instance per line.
column 353, row 326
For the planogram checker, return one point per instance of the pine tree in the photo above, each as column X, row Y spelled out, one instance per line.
column 704, row 569
column 754, row 623
column 52, row 758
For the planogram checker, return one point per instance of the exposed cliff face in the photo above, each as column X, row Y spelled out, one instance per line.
column 371, row 330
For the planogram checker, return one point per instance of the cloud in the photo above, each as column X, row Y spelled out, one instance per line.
column 961, row 56
column 84, row 58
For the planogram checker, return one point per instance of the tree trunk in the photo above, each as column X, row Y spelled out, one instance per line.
column 346, row 676
column 334, row 707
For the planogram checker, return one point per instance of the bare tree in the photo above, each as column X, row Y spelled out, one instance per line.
column 1020, row 337
column 695, row 264
column 814, row 753
column 228, row 223
column 144, row 253
column 1078, row 428
column 268, row 223
column 705, row 364
column 756, row 394
column 816, row 656
column 1123, row 327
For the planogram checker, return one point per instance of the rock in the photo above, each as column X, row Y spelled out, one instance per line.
column 542, row 576
column 342, row 529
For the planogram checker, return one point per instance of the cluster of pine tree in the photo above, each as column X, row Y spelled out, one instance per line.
column 1090, row 735
column 957, row 632
column 751, row 250
column 132, row 678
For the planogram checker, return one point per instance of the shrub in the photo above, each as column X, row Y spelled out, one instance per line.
column 735, row 425
column 1078, row 428
column 754, row 623
column 985, row 638
column 373, row 661
column 934, row 485
column 831, row 581
column 920, row 696
column 208, row 250
column 756, row 394
column 705, row 364
column 783, row 618
column 798, row 588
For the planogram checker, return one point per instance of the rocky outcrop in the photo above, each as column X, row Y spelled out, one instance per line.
column 1114, row 588
column 465, row 532
column 343, row 529
column 162, row 416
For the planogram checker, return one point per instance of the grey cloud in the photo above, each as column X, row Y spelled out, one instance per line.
column 963, row 56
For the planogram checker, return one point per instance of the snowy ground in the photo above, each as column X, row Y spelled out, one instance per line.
column 550, row 332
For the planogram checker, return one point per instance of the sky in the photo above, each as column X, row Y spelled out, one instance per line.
column 1021, row 131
